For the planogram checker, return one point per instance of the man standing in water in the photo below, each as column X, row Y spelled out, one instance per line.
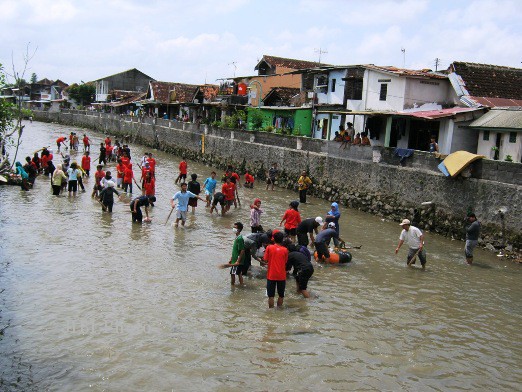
column 472, row 236
column 276, row 256
column 415, row 240
column 182, row 197
column 238, row 255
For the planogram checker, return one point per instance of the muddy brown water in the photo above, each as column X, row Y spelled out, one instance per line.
column 91, row 302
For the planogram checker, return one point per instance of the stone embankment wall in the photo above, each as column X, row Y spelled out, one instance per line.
column 415, row 190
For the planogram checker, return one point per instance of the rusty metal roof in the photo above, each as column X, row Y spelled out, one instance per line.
column 425, row 73
column 497, row 102
column 169, row 92
column 281, row 94
column 442, row 113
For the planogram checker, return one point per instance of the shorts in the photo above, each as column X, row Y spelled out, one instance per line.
column 322, row 250
column 229, row 202
column 291, row 232
column 271, row 288
column 208, row 194
column 470, row 246
column 193, row 202
column 181, row 215
column 247, row 262
column 216, row 201
column 421, row 255
column 270, row 180
column 302, row 239
column 303, row 276
column 182, row 177
column 72, row 186
column 236, row 270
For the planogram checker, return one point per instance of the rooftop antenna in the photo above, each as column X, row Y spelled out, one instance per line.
column 235, row 67
column 403, row 50
column 320, row 51
column 437, row 63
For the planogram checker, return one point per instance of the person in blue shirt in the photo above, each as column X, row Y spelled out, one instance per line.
column 182, row 197
column 333, row 216
column 210, row 187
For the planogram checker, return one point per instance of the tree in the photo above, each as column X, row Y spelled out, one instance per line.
column 34, row 78
column 6, row 125
column 82, row 93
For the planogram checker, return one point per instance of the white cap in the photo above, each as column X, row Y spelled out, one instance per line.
column 319, row 220
column 331, row 225
column 405, row 222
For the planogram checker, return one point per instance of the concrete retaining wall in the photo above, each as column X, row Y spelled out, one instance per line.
column 348, row 176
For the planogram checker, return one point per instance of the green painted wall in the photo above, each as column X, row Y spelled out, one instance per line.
column 302, row 118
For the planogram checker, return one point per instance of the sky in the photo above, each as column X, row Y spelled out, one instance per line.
column 201, row 41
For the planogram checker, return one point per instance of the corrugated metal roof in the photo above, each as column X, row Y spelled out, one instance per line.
column 442, row 113
column 499, row 119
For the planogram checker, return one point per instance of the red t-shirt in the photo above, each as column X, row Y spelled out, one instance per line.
column 44, row 160
column 98, row 176
column 125, row 161
column 183, row 167
column 86, row 140
column 236, row 176
column 144, row 171
column 249, row 178
column 86, row 162
column 60, row 140
column 127, row 175
column 108, row 141
column 229, row 191
column 149, row 187
column 120, row 168
column 152, row 164
column 293, row 218
column 277, row 256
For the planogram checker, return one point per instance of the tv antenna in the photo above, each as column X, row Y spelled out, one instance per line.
column 403, row 50
column 320, row 51
column 437, row 63
column 235, row 67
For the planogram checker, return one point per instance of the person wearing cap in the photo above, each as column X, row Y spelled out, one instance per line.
column 292, row 218
column 107, row 196
column 334, row 215
column 303, row 183
column 472, row 236
column 323, row 239
column 307, row 228
column 415, row 240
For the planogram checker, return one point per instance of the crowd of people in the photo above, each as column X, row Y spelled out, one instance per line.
column 279, row 250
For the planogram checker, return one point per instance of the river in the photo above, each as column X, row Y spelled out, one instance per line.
column 90, row 301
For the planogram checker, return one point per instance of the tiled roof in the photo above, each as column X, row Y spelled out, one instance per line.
column 210, row 91
column 162, row 90
column 281, row 94
column 492, row 81
column 45, row 82
column 60, row 84
column 406, row 72
column 274, row 61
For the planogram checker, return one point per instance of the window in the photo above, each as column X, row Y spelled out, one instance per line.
column 354, row 88
column 333, row 85
column 384, row 92
column 512, row 137
column 486, row 135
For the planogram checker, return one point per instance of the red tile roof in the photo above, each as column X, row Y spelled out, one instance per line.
column 281, row 94
column 428, row 73
column 274, row 61
column 492, row 81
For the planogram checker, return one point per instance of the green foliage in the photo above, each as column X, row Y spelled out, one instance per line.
column 82, row 93
column 256, row 118
column 508, row 158
column 26, row 113
column 34, row 78
column 233, row 121
column 269, row 129
column 20, row 83
column 217, row 124
column 214, row 113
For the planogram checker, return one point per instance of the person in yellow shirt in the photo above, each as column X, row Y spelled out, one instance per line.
column 303, row 184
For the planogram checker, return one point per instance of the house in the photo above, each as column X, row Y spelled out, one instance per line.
column 130, row 80
column 500, row 134
column 272, row 72
column 288, row 120
column 47, row 94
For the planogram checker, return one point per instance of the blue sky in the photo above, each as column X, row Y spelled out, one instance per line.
column 194, row 42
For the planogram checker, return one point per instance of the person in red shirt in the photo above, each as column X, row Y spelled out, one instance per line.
column 229, row 191
column 249, row 180
column 183, row 167
column 120, row 169
column 108, row 141
column 59, row 142
column 275, row 257
column 108, row 152
column 98, row 175
column 144, row 170
column 152, row 164
column 86, row 143
column 149, row 185
column 86, row 163
column 125, row 160
column 128, row 175
column 292, row 218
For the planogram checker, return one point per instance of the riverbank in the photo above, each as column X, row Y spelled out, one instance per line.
column 432, row 201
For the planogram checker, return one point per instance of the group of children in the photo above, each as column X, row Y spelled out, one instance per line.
column 348, row 136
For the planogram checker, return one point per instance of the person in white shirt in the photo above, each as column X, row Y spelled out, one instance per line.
column 415, row 240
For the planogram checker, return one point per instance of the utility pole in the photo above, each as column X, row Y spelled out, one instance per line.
column 403, row 50
column 235, row 67
column 320, row 51
column 437, row 62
